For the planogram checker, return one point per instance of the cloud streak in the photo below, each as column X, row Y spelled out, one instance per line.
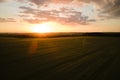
column 7, row 20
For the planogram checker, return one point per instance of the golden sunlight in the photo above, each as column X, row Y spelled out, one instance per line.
column 50, row 27
column 42, row 28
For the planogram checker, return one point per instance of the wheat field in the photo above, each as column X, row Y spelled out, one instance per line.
column 67, row 58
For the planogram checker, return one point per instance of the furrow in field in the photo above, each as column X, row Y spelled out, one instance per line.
column 65, row 62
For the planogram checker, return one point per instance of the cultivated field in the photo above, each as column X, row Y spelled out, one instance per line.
column 67, row 58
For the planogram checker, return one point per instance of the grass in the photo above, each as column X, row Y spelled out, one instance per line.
column 67, row 58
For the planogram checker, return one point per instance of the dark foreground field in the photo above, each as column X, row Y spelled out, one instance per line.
column 67, row 58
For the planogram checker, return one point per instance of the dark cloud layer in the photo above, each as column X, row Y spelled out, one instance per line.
column 39, row 2
column 107, row 9
column 110, row 7
column 113, row 8
column 42, row 2
column 2, row 1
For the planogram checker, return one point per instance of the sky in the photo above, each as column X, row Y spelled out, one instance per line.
column 60, row 15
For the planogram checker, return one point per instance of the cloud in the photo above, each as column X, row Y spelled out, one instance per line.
column 7, row 20
column 110, row 7
column 2, row 1
column 63, row 15
column 38, row 2
column 91, row 20
column 113, row 8
column 62, row 1
column 42, row 2
column 28, row 10
column 107, row 9
column 34, row 21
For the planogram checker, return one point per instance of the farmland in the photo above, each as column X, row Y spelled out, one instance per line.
column 67, row 58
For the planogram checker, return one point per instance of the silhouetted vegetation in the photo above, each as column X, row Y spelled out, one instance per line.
column 53, row 35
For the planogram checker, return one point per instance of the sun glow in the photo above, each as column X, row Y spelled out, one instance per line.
column 42, row 28
column 48, row 27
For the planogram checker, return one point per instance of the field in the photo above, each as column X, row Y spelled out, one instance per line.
column 67, row 58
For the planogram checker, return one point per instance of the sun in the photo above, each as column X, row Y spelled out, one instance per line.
column 42, row 28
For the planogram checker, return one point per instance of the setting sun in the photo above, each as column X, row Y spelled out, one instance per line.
column 42, row 28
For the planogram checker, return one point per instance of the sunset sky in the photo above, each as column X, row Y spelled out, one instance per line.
column 60, row 15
